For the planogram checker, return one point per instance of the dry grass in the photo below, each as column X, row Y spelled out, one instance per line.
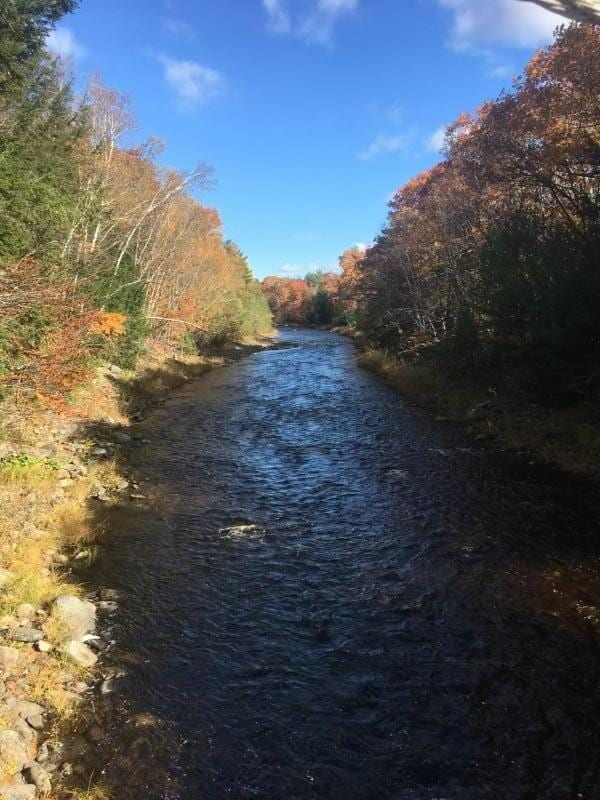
column 567, row 438
column 414, row 380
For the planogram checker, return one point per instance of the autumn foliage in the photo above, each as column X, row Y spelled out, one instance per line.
column 492, row 257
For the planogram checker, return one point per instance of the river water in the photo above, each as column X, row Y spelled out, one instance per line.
column 413, row 617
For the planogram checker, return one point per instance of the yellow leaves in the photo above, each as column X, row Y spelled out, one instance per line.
column 109, row 323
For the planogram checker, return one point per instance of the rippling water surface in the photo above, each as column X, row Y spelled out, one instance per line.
column 411, row 618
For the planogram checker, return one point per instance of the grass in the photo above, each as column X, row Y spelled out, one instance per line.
column 565, row 437
column 26, row 469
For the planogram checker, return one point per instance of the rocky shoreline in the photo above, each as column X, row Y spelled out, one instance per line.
column 65, row 729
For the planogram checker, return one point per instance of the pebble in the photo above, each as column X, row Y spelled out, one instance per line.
column 44, row 647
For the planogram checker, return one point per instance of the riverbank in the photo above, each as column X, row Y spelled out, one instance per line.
column 566, row 438
column 61, row 468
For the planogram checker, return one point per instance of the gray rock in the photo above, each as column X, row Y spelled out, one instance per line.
column 114, row 369
column 108, row 605
column 120, row 437
column 13, row 753
column 36, row 721
column 24, row 708
column 76, row 617
column 9, row 658
column 18, row 791
column 80, row 653
column 39, row 777
column 27, row 635
column 26, row 734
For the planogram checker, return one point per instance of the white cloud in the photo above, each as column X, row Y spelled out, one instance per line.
column 315, row 25
column 62, row 42
column 435, row 142
column 361, row 246
column 477, row 24
column 297, row 270
column 278, row 19
column 385, row 144
column 193, row 84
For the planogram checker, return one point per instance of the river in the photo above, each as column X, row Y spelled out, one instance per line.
column 412, row 617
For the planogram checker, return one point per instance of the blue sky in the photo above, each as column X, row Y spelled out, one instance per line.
column 311, row 112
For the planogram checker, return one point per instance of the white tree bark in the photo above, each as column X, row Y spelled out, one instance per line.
column 579, row 10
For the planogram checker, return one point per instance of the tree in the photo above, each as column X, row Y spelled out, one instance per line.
column 24, row 26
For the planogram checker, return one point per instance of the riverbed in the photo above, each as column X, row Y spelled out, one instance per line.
column 330, row 595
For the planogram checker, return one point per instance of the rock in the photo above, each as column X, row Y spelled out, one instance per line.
column 482, row 410
column 24, row 708
column 43, row 646
column 109, row 594
column 99, row 452
column 120, row 437
column 13, row 753
column 17, row 791
column 61, row 474
column 80, row 653
column 60, row 558
column 39, row 778
column 9, row 658
column 36, row 721
column 108, row 605
column 95, row 734
column 27, row 635
column 65, row 482
column 50, row 754
column 76, row 617
column 25, row 612
column 25, row 733
column 114, row 369
column 108, row 686
column 82, row 555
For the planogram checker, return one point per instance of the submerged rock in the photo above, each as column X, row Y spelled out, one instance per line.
column 76, row 617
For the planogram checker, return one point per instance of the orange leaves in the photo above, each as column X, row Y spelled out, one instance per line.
column 109, row 323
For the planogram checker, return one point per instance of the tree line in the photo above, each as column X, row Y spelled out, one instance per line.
column 100, row 245
column 489, row 263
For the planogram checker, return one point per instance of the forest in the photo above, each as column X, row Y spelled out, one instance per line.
column 101, row 244
column 488, row 266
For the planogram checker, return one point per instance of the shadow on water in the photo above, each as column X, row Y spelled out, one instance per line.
column 325, row 594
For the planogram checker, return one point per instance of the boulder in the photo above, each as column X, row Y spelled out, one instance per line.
column 18, row 791
column 80, row 653
column 13, row 752
column 76, row 617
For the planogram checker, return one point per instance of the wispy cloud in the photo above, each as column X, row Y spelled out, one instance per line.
column 435, row 142
column 179, row 28
column 384, row 144
column 512, row 23
column 278, row 20
column 314, row 25
column 63, row 43
column 193, row 84
column 297, row 270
